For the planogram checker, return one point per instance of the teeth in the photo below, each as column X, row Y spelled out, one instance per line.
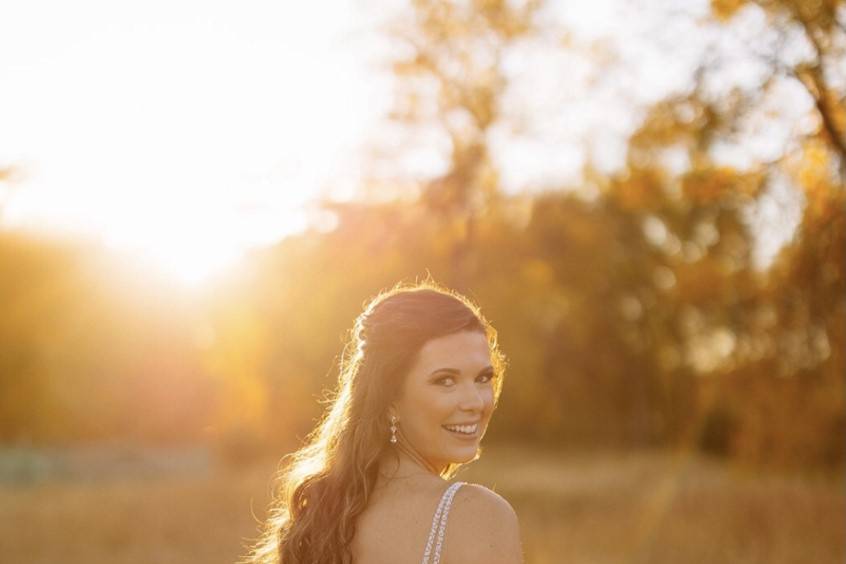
column 466, row 429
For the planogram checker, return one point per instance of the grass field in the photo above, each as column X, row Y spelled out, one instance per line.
column 580, row 508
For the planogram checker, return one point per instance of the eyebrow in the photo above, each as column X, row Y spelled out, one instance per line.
column 456, row 372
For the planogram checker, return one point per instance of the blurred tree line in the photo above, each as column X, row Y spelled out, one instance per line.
column 633, row 313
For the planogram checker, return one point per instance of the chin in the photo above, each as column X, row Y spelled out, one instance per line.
column 466, row 456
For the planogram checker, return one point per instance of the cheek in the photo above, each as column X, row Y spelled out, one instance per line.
column 489, row 399
column 428, row 407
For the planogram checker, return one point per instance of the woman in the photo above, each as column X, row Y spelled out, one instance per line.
column 419, row 379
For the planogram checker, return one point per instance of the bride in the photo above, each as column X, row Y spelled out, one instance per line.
column 419, row 380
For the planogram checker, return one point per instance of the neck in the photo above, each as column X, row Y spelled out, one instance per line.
column 409, row 462
column 416, row 459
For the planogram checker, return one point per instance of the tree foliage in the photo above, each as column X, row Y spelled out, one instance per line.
column 633, row 313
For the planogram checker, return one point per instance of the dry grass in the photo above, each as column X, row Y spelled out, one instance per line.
column 663, row 508
column 590, row 509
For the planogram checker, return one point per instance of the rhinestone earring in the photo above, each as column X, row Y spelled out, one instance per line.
column 393, row 438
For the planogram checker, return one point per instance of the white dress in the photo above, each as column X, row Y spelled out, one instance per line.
column 434, row 544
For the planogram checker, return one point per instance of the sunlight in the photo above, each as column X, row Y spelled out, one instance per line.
column 195, row 239
column 185, row 132
column 189, row 262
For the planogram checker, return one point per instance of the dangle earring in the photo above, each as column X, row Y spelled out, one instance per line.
column 393, row 438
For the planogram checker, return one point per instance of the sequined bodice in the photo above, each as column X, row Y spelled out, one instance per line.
column 434, row 544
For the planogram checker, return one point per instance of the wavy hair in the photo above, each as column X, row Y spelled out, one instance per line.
column 327, row 483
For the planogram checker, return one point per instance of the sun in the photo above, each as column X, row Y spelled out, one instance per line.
column 191, row 265
column 197, row 238
column 212, row 128
column 190, row 254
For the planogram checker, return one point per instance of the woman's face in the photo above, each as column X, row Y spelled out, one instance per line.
column 447, row 398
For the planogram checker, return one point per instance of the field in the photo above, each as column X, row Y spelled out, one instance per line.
column 599, row 508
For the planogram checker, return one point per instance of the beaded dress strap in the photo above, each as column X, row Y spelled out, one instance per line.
column 439, row 522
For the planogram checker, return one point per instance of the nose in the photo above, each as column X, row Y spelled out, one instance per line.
column 472, row 399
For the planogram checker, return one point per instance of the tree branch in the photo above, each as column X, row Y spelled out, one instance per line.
column 818, row 89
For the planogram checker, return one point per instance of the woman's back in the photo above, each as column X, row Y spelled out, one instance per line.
column 452, row 523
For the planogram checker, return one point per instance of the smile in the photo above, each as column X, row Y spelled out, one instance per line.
column 463, row 429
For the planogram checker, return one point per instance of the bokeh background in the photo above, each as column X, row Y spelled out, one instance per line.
column 646, row 199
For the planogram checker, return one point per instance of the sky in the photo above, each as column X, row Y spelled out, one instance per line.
column 187, row 131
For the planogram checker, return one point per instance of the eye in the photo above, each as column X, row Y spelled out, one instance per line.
column 484, row 378
column 445, row 381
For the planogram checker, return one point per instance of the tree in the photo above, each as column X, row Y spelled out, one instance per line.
column 449, row 76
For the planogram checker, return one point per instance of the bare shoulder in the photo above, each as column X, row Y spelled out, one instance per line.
column 474, row 497
column 483, row 527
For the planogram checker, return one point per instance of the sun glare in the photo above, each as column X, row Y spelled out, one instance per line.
column 186, row 132
column 192, row 243
column 189, row 263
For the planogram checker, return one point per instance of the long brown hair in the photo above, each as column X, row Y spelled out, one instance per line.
column 327, row 483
